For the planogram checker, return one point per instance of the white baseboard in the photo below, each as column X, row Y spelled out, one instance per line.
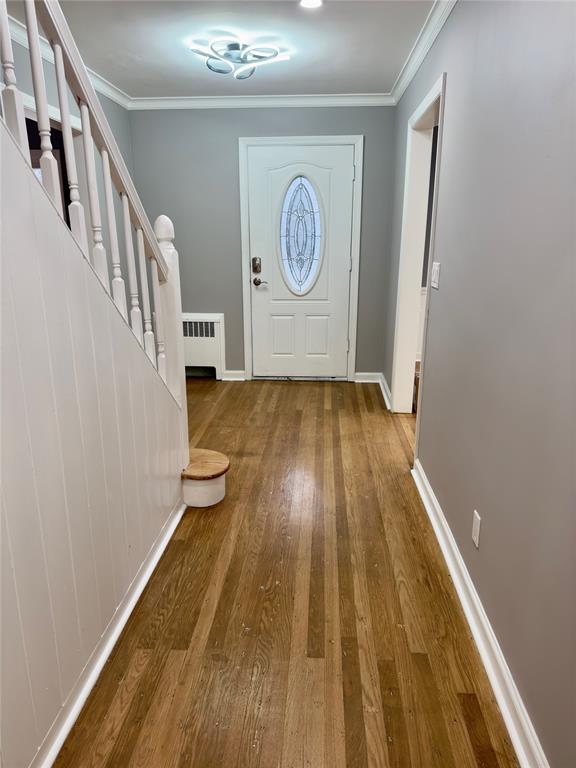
column 234, row 376
column 376, row 378
column 62, row 725
column 386, row 393
column 524, row 738
column 367, row 378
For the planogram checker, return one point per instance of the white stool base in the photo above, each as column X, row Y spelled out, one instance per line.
column 204, row 493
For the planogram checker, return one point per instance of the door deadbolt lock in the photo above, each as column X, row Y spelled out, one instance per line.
column 256, row 265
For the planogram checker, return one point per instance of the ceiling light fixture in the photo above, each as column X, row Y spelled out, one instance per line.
column 229, row 55
column 310, row 3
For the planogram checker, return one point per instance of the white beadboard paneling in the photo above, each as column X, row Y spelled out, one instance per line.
column 91, row 440
column 122, row 360
column 39, row 237
column 61, row 352
column 133, row 450
column 19, row 490
column 18, row 476
column 18, row 716
column 153, row 486
column 143, row 440
column 97, row 308
column 89, row 406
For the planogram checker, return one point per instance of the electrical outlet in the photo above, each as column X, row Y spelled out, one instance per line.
column 476, row 520
column 435, row 276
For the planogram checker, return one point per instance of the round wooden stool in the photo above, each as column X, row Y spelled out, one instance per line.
column 204, row 479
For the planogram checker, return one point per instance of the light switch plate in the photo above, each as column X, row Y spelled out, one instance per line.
column 476, row 520
column 435, row 276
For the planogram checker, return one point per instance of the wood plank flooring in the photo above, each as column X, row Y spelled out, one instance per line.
column 308, row 620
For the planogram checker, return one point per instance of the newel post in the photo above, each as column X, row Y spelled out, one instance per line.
column 172, row 315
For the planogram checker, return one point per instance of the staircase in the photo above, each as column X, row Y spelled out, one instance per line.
column 93, row 419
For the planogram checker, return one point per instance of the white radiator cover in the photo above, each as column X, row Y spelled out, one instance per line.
column 204, row 340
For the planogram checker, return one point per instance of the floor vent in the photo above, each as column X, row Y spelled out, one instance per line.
column 204, row 341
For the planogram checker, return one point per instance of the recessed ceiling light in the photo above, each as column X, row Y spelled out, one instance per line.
column 229, row 55
column 310, row 3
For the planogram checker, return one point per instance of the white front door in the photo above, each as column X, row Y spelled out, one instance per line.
column 300, row 208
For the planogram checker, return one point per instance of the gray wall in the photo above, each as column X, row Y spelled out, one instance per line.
column 186, row 165
column 498, row 415
column 119, row 119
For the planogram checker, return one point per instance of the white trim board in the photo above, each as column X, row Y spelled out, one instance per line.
column 419, row 142
column 437, row 17
column 62, row 725
column 262, row 141
column 234, row 376
column 375, row 378
column 263, row 102
column 522, row 733
column 435, row 20
column 29, row 103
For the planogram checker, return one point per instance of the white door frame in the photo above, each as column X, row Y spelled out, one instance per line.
column 429, row 112
column 302, row 141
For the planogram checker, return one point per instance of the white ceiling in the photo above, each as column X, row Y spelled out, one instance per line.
column 344, row 47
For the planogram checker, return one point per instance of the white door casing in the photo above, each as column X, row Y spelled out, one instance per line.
column 306, row 330
column 412, row 243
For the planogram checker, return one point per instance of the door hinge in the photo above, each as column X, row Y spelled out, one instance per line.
column 354, row 172
column 348, row 347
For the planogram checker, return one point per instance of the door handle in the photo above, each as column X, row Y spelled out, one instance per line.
column 258, row 282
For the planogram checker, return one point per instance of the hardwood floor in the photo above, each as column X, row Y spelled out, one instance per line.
column 306, row 621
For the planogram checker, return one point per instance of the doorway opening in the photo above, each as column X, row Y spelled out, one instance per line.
column 425, row 267
column 423, row 149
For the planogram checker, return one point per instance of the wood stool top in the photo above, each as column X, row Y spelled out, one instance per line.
column 205, row 465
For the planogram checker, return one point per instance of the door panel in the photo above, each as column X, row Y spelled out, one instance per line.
column 300, row 217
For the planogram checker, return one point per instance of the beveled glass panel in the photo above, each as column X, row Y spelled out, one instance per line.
column 300, row 236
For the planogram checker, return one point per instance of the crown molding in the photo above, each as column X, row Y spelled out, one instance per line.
column 428, row 34
column 435, row 21
column 262, row 102
column 108, row 89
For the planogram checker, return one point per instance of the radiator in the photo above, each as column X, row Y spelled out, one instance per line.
column 204, row 340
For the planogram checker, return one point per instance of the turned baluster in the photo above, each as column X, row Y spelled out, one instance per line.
column 159, row 323
column 99, row 261
column 149, row 343
column 135, row 313
column 75, row 209
column 48, row 164
column 118, row 287
column 11, row 97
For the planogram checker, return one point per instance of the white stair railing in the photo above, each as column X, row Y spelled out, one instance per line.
column 12, row 104
column 48, row 164
column 75, row 209
column 144, row 313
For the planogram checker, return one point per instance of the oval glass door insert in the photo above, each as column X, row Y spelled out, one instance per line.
column 300, row 236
